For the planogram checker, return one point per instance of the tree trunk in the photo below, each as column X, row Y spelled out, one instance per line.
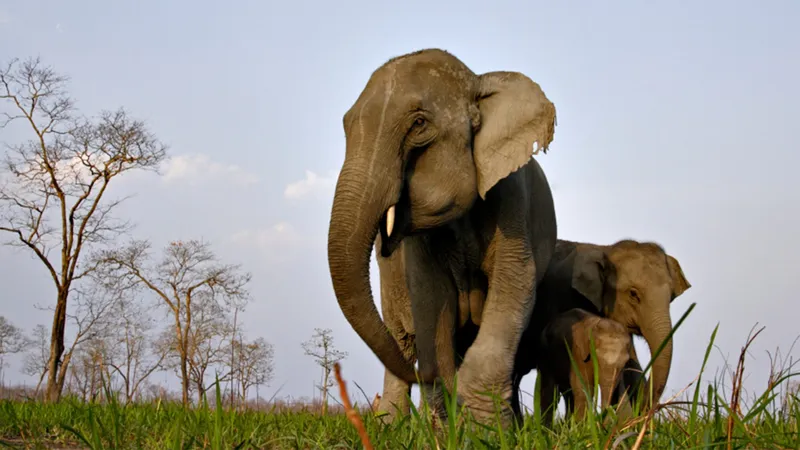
column 325, row 392
column 54, row 388
column 233, row 358
column 184, row 380
column 128, row 392
column 200, row 392
column 62, row 375
column 182, row 345
column 243, row 397
column 39, row 384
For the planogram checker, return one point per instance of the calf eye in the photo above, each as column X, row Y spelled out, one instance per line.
column 419, row 122
column 634, row 294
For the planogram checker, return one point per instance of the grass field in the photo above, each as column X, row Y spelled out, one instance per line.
column 714, row 414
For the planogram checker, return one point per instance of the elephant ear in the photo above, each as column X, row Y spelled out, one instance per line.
column 516, row 121
column 589, row 276
column 679, row 282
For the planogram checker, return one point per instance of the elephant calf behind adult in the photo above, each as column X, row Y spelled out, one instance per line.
column 439, row 161
column 630, row 282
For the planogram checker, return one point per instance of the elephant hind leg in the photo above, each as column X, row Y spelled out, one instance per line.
column 547, row 396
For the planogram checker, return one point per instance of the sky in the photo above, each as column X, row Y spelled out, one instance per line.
column 674, row 125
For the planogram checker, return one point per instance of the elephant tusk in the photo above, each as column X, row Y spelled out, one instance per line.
column 389, row 221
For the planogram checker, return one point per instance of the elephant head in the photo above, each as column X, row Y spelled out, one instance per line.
column 425, row 140
column 634, row 283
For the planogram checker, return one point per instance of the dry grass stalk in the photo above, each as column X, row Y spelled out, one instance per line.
column 352, row 414
column 736, row 394
column 651, row 413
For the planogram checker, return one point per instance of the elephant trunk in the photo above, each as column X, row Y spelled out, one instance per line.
column 359, row 204
column 655, row 331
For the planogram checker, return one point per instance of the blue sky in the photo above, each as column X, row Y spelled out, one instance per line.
column 675, row 124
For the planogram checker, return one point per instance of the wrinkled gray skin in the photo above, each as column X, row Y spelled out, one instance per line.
column 448, row 154
column 396, row 311
column 630, row 282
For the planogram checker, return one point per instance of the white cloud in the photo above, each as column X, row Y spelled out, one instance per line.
column 200, row 168
column 68, row 172
column 282, row 234
column 280, row 243
column 311, row 185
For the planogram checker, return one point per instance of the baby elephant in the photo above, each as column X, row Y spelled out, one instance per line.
column 613, row 347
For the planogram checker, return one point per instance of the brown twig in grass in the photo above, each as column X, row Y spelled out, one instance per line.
column 736, row 393
column 352, row 414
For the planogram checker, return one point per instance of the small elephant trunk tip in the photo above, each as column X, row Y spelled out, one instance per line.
column 389, row 221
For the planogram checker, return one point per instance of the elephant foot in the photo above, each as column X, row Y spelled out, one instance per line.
column 483, row 399
column 433, row 396
column 386, row 415
column 388, row 409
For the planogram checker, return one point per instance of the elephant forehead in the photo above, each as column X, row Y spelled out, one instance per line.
column 614, row 350
column 431, row 58
column 429, row 74
column 375, row 100
column 430, row 79
column 389, row 102
column 636, row 266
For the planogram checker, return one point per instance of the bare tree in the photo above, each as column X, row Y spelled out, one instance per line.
column 53, row 196
column 254, row 364
column 232, row 349
column 136, row 356
column 188, row 276
column 207, row 345
column 209, row 342
column 321, row 348
column 38, row 355
column 86, row 320
column 90, row 373
column 12, row 340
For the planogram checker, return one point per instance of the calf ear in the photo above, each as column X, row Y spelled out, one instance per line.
column 589, row 275
column 679, row 282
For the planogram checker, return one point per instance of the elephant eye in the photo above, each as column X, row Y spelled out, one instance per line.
column 419, row 122
column 634, row 294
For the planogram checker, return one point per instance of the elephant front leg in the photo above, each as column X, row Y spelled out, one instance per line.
column 580, row 397
column 396, row 393
column 489, row 363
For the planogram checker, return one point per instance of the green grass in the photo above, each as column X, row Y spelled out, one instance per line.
column 169, row 426
column 710, row 415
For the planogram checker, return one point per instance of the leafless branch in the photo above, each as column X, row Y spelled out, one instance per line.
column 12, row 339
column 53, row 186
column 198, row 291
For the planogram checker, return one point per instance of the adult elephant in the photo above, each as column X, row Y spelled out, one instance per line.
column 439, row 161
column 630, row 282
